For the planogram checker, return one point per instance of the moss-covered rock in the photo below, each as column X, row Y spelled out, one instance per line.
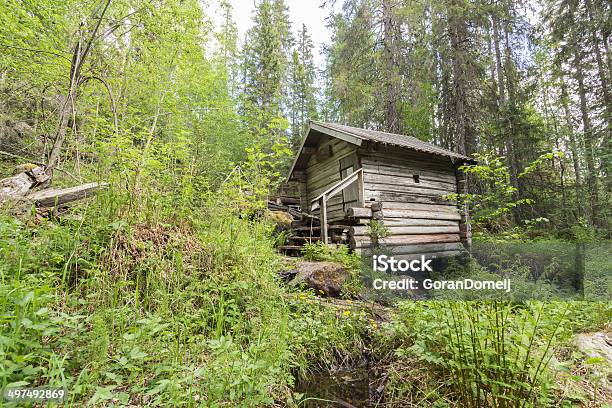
column 326, row 278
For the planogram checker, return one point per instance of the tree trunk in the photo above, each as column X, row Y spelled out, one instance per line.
column 79, row 54
column 573, row 148
column 588, row 139
column 66, row 109
column 498, row 63
column 555, row 126
column 512, row 136
column 600, row 64
column 390, row 69
column 464, row 134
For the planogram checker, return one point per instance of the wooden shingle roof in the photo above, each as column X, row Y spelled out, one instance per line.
column 394, row 139
column 357, row 136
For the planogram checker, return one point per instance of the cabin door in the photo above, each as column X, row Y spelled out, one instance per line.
column 350, row 195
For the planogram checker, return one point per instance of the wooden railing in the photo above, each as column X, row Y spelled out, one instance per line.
column 321, row 200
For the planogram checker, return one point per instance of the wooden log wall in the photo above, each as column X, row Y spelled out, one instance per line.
column 323, row 171
column 409, row 187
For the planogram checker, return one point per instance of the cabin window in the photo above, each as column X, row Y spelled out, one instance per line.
column 416, row 178
column 344, row 173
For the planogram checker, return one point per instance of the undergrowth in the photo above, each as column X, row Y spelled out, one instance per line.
column 160, row 307
column 155, row 309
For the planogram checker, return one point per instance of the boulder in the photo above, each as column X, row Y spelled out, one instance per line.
column 282, row 219
column 25, row 167
column 23, row 129
column 598, row 346
column 326, row 278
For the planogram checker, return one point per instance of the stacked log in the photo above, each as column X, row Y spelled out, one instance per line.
column 406, row 191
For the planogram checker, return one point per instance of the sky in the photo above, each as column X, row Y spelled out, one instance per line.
column 300, row 12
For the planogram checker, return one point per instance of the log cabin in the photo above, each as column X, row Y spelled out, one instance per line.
column 348, row 176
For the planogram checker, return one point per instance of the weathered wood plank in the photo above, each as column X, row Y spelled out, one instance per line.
column 405, row 154
column 408, row 161
column 394, row 205
column 398, row 188
column 327, row 164
column 420, row 248
column 407, row 222
column 391, row 196
column 371, row 178
column 337, row 151
column 58, row 196
column 408, row 171
column 321, row 175
column 359, row 212
column 430, row 255
column 409, row 230
column 391, row 213
column 361, row 241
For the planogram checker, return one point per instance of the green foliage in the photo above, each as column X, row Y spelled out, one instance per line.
column 163, row 290
column 131, row 318
column 265, row 65
column 320, row 252
column 377, row 230
column 492, row 208
column 322, row 337
column 159, row 308
column 303, row 93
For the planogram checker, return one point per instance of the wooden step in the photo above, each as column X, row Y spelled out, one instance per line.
column 297, row 238
column 318, row 227
column 307, row 228
column 290, row 248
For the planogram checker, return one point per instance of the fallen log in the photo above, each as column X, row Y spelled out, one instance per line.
column 54, row 197
column 15, row 187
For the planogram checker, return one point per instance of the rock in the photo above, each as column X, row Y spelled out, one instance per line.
column 326, row 278
column 23, row 129
column 598, row 346
column 282, row 220
column 287, row 275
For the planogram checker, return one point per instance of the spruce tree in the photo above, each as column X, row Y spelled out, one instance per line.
column 303, row 106
column 265, row 66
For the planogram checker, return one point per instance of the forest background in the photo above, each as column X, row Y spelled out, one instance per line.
column 158, row 283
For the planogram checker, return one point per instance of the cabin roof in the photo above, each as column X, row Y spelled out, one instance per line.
column 357, row 135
